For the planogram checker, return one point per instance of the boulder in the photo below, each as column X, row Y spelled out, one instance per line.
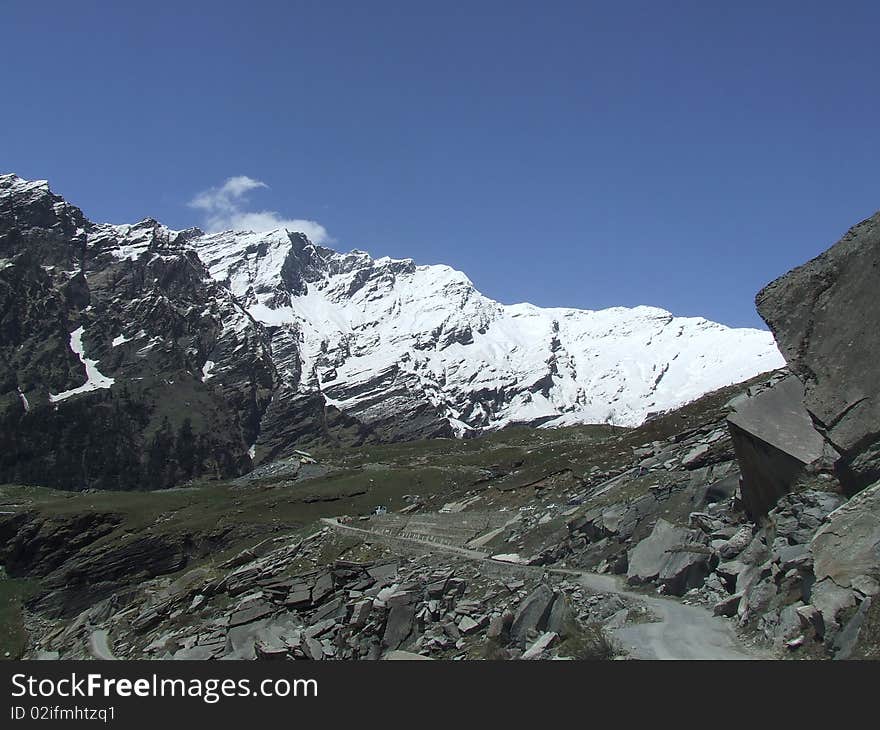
column 831, row 601
column 794, row 556
column 727, row 606
column 757, row 598
column 559, row 616
column 323, row 587
column 646, row 560
column 687, row 568
column 811, row 617
column 694, row 457
column 360, row 613
column 847, row 640
column 723, row 489
column 399, row 625
column 705, row 522
column 544, row 642
column 824, row 317
column 496, row 627
column 848, row 545
column 788, row 626
column 532, row 613
column 675, row 557
column 313, row 649
column 299, row 597
column 774, row 440
column 737, row 543
column 383, row 574
column 334, row 609
column 240, row 640
column 251, row 614
column 467, row 625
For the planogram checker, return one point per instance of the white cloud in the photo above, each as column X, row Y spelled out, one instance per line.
column 223, row 209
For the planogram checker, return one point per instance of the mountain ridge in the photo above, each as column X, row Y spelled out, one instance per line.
column 435, row 325
column 296, row 343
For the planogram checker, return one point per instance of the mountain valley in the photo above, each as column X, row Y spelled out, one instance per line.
column 245, row 446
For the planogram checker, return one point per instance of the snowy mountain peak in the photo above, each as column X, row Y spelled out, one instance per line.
column 364, row 325
column 342, row 347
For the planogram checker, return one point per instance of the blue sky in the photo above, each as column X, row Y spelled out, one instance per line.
column 680, row 154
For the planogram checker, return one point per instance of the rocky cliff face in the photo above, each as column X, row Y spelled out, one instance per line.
column 805, row 444
column 106, row 336
column 824, row 316
column 135, row 356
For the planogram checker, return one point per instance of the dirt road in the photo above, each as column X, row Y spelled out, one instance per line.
column 681, row 631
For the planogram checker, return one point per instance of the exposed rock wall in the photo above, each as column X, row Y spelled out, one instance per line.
column 123, row 365
column 825, row 317
column 812, row 569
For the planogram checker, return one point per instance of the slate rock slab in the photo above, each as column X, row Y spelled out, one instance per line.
column 399, row 625
column 848, row 545
column 532, row 613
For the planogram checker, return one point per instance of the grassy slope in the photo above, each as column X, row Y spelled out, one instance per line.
column 13, row 637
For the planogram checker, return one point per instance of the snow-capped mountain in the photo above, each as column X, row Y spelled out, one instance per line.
column 368, row 327
column 136, row 353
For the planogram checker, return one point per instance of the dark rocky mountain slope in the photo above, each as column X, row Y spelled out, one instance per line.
column 148, row 417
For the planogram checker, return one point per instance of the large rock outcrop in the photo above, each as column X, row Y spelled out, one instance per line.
column 825, row 317
column 813, row 567
column 846, row 555
column 775, row 442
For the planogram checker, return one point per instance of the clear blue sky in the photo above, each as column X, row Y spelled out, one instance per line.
column 680, row 154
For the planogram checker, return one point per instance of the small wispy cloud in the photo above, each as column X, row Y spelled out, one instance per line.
column 224, row 209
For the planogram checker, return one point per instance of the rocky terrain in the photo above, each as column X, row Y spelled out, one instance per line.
column 743, row 524
column 137, row 357
column 641, row 525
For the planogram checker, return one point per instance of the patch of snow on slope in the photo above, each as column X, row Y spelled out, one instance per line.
column 94, row 379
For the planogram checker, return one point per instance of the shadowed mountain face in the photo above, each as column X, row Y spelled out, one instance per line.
column 105, row 334
column 134, row 356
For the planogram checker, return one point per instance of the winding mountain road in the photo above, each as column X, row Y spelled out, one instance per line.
column 99, row 645
column 681, row 631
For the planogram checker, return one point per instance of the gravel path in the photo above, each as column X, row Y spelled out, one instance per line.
column 681, row 631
